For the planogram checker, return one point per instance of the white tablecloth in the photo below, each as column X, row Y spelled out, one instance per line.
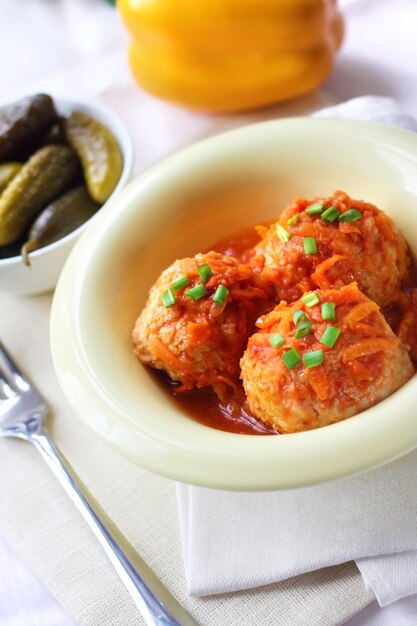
column 76, row 48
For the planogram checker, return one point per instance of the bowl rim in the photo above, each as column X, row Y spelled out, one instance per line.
column 125, row 142
column 242, row 454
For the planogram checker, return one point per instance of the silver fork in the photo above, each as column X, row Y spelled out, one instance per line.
column 22, row 410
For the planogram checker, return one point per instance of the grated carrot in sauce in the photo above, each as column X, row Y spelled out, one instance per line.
column 319, row 275
column 366, row 347
column 404, row 328
column 349, row 229
column 359, row 371
column 268, row 320
column 319, row 382
column 385, row 226
column 165, row 355
column 359, row 312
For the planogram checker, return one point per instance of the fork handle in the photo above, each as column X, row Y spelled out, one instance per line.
column 153, row 610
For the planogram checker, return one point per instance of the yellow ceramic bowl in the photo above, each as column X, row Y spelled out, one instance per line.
column 178, row 208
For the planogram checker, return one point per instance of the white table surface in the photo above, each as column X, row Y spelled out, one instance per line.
column 76, row 48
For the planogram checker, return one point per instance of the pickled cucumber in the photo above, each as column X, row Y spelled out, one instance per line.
column 48, row 173
column 7, row 172
column 54, row 135
column 24, row 122
column 98, row 151
column 58, row 219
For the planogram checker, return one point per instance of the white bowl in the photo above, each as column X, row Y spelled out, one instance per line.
column 47, row 262
column 177, row 208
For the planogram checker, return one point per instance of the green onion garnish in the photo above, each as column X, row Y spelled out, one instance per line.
column 276, row 340
column 310, row 299
column 350, row 216
column 314, row 209
column 221, row 295
column 291, row 358
column 204, row 272
column 283, row 234
column 168, row 298
column 310, row 245
column 330, row 336
column 197, row 292
column 311, row 359
column 293, row 220
column 330, row 214
column 180, row 282
column 303, row 329
column 328, row 312
column 298, row 316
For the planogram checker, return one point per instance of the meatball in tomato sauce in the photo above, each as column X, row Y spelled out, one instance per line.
column 330, row 242
column 198, row 318
column 321, row 359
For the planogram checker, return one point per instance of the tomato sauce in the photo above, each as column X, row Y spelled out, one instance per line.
column 239, row 245
column 203, row 406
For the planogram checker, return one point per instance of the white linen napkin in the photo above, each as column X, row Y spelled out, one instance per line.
column 24, row 600
column 235, row 540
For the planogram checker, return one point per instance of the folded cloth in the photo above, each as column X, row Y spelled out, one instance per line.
column 390, row 576
column 378, row 109
column 237, row 541
column 241, row 540
column 23, row 599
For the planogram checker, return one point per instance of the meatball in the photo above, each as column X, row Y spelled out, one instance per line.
column 301, row 371
column 362, row 245
column 402, row 317
column 198, row 341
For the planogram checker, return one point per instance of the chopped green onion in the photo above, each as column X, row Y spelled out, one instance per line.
column 276, row 340
column 310, row 299
column 283, row 234
column 298, row 316
column 311, row 359
column 310, row 245
column 350, row 216
column 168, row 298
column 197, row 292
column 204, row 272
column 328, row 311
column 303, row 329
column 293, row 220
column 314, row 209
column 291, row 358
column 180, row 282
column 221, row 294
column 330, row 336
column 330, row 214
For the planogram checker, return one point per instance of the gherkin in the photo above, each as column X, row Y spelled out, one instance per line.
column 24, row 122
column 98, row 151
column 7, row 172
column 59, row 218
column 48, row 173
